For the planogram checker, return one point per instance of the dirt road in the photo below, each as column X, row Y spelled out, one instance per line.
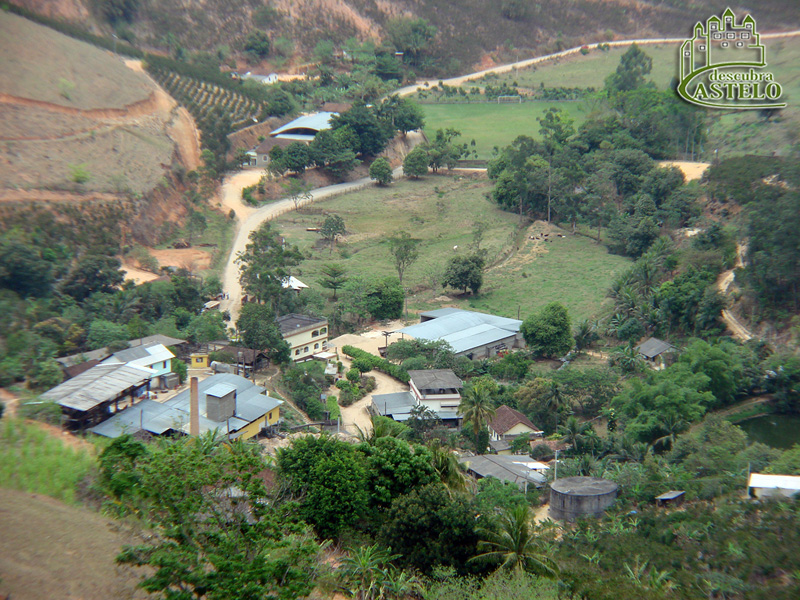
column 250, row 219
column 724, row 282
column 460, row 80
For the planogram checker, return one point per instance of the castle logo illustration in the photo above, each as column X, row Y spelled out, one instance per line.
column 723, row 66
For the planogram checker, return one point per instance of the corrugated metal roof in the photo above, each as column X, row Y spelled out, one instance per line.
column 316, row 121
column 101, row 383
column 157, row 417
column 464, row 330
column 504, row 468
column 428, row 379
column 653, row 347
column 784, row 482
column 220, row 390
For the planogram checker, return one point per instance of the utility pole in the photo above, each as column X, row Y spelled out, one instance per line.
column 555, row 475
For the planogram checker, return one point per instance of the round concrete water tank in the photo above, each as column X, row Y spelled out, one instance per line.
column 575, row 497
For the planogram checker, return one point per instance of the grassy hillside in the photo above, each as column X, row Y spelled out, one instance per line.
column 442, row 211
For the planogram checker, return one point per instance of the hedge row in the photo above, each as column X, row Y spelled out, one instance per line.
column 377, row 363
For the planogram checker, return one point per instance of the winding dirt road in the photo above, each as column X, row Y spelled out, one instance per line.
column 724, row 282
column 252, row 218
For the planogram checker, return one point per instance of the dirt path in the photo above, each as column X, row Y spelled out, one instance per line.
column 691, row 170
column 724, row 282
column 460, row 80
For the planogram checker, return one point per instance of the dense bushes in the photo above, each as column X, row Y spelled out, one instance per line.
column 379, row 364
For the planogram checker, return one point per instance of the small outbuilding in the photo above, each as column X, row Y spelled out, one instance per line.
column 518, row 470
column 762, row 485
column 654, row 350
column 576, row 497
column 673, row 498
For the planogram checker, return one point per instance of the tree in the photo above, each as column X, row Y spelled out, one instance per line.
column 443, row 151
column 514, row 545
column 119, row 10
column 549, row 332
column 361, row 120
column 630, row 74
column 404, row 250
column 555, row 127
column 335, row 151
column 574, row 431
column 259, row 331
column 297, row 190
column 396, row 468
column 266, row 263
column 364, row 572
column 385, row 299
column 415, row 164
column 102, row 333
column 297, row 157
column 429, row 527
column 257, row 45
column 329, row 479
column 334, row 277
column 92, row 274
column 196, row 224
column 464, row 272
column 381, row 171
column 205, row 543
column 477, row 408
column 410, row 36
column 23, row 269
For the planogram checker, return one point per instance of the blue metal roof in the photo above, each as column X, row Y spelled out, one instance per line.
column 158, row 417
column 464, row 330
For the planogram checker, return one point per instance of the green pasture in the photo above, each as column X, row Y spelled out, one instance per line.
column 492, row 124
column 441, row 211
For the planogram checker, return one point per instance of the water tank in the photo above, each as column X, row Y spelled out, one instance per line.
column 575, row 497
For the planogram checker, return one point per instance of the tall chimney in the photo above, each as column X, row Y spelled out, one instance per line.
column 194, row 409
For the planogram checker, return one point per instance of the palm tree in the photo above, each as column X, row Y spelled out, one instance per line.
column 400, row 584
column 514, row 545
column 574, row 431
column 555, row 398
column 449, row 471
column 673, row 426
column 585, row 335
column 363, row 573
column 382, row 427
column 476, row 407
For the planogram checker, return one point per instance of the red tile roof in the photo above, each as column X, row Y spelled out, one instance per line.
column 506, row 417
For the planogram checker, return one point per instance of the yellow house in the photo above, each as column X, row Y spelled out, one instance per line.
column 305, row 335
column 509, row 424
column 198, row 360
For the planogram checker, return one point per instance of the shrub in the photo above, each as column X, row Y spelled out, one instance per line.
column 44, row 411
column 379, row 364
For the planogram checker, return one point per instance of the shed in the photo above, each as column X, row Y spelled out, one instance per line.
column 671, row 498
column 773, row 486
column 652, row 348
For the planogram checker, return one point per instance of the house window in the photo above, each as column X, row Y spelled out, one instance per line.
column 296, row 352
column 316, row 346
column 198, row 360
column 314, row 333
column 323, row 331
column 305, row 349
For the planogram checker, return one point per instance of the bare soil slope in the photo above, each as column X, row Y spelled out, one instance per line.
column 70, row 111
column 51, row 550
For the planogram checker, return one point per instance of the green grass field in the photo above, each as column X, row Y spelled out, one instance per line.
column 441, row 211
column 731, row 132
column 491, row 124
column 590, row 70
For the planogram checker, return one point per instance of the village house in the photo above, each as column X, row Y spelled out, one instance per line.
column 438, row 390
column 305, row 335
column 155, row 357
column 507, row 425
column 228, row 403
